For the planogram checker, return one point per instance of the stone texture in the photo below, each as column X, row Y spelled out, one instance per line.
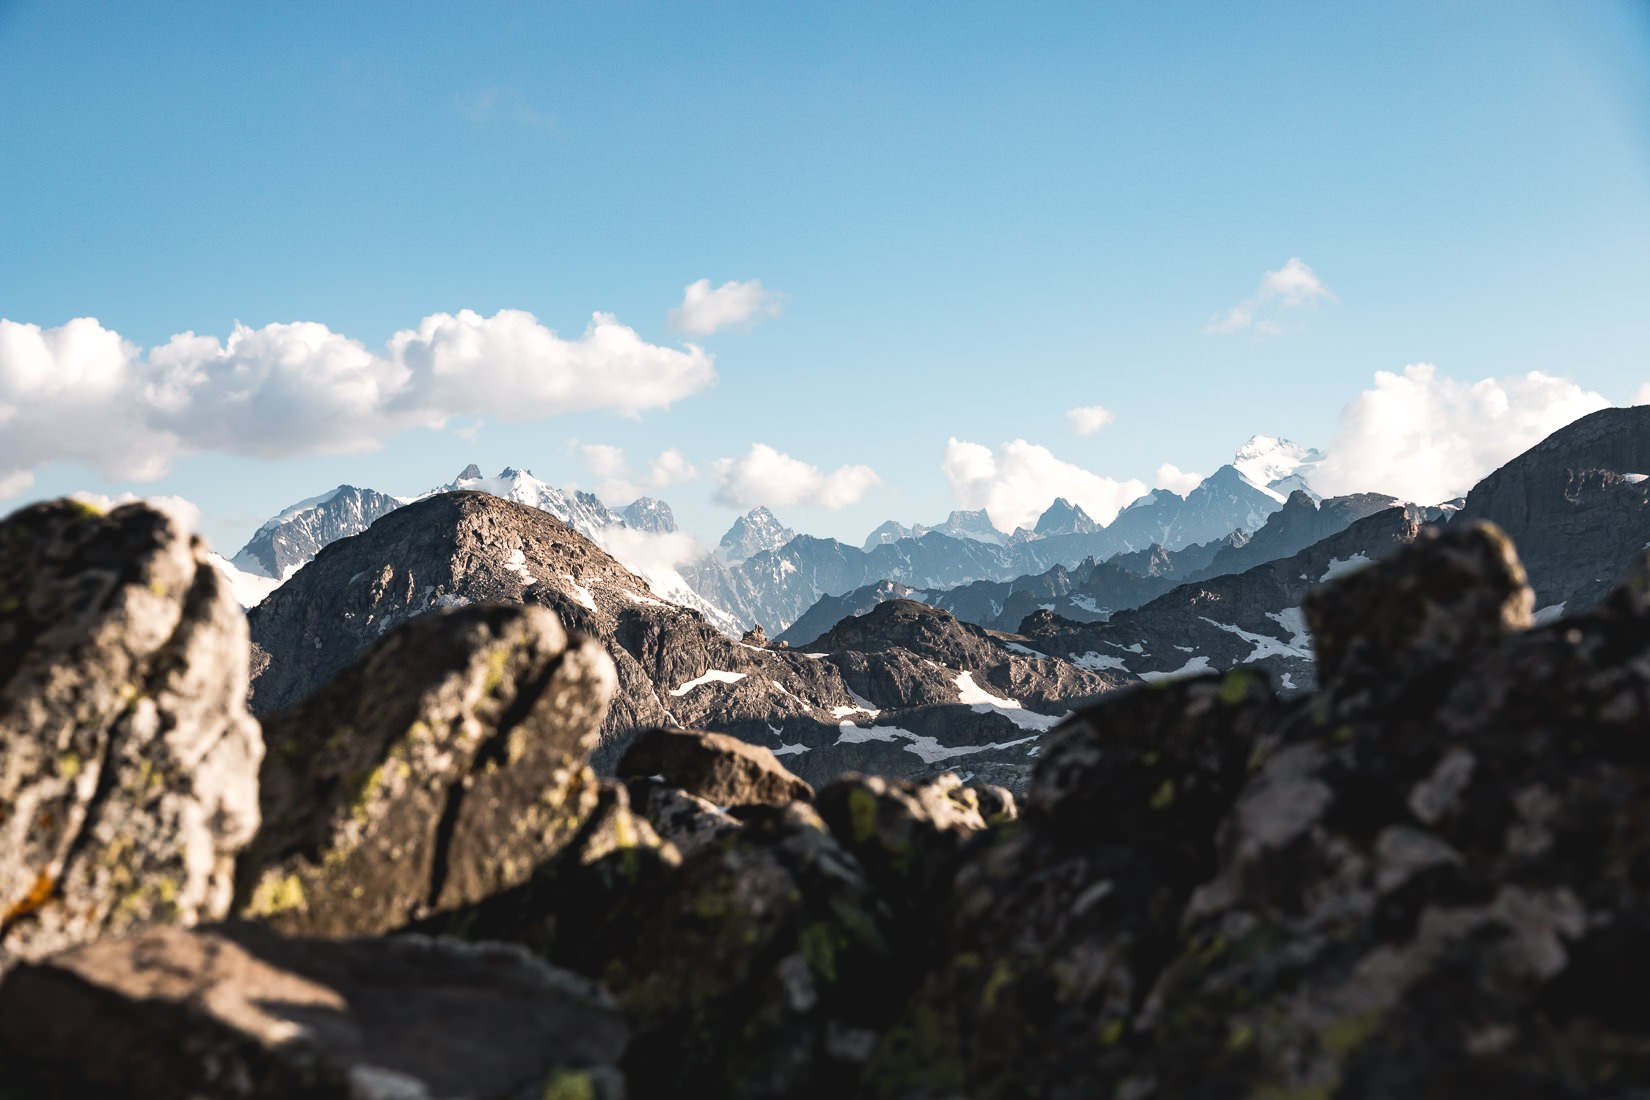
column 240, row 1012
column 440, row 769
column 722, row 770
column 128, row 761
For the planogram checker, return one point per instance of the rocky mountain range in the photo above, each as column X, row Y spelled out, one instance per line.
column 1424, row 878
column 1091, row 591
column 763, row 573
column 1576, row 498
column 929, row 691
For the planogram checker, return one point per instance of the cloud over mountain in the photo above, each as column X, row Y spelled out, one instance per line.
column 1016, row 483
column 1427, row 437
column 767, row 476
column 620, row 482
column 80, row 392
column 705, row 310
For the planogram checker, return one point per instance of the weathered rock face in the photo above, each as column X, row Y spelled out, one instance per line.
column 1057, row 924
column 240, row 1012
column 128, row 761
column 438, row 770
column 720, row 769
column 1577, row 505
column 1431, row 888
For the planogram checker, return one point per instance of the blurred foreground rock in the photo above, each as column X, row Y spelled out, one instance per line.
column 128, row 761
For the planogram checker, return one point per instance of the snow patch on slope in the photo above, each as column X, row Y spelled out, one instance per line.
column 715, row 675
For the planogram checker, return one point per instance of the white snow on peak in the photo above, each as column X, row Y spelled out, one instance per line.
column 1096, row 662
column 1340, row 567
column 714, row 675
column 300, row 508
column 1265, row 645
column 1635, row 478
column 249, row 589
column 1265, row 460
column 1292, row 620
column 981, row 701
column 517, row 564
column 580, row 592
column 1551, row 613
column 1190, row 668
column 928, row 748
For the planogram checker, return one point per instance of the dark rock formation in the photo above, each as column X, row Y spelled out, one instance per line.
column 1577, row 505
column 128, row 761
column 239, row 1012
column 438, row 770
column 722, row 770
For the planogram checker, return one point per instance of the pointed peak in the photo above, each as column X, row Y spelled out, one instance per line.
column 472, row 472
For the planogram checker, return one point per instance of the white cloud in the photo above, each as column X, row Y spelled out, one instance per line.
column 1426, row 437
column 1641, row 396
column 1018, row 482
column 766, row 476
column 1292, row 286
column 1177, row 481
column 704, row 310
column 621, row 484
column 1089, row 418
column 79, row 392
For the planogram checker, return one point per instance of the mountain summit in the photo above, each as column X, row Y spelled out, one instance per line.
column 755, row 531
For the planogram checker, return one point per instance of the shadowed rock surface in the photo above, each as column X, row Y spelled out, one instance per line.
column 438, row 770
column 128, row 761
column 722, row 770
column 239, row 1012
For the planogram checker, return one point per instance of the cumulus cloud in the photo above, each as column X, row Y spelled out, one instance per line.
column 1016, row 483
column 1089, row 419
column 1177, row 481
column 621, row 483
column 1423, row 436
column 80, row 392
column 1292, row 286
column 766, row 476
column 705, row 310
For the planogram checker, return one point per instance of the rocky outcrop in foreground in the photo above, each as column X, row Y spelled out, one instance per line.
column 128, row 761
column 1428, row 878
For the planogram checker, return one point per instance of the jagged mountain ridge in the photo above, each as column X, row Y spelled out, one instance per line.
column 898, row 711
column 286, row 541
column 1090, row 591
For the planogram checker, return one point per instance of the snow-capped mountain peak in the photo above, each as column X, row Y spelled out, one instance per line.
column 755, row 531
column 581, row 511
column 1278, row 465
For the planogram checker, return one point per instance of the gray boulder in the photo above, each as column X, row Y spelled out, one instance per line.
column 241, row 1012
column 128, row 761
column 440, row 769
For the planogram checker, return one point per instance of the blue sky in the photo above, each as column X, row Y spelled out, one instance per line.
column 970, row 220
